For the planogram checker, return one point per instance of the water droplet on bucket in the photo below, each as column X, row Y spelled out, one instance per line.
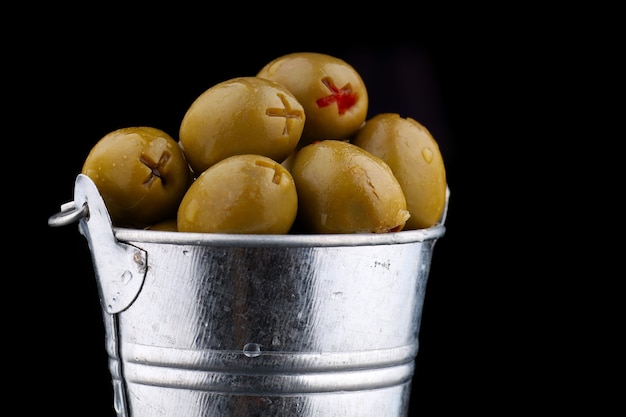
column 126, row 277
column 337, row 294
column 252, row 350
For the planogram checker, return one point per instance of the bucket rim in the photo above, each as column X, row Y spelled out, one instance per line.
column 272, row 240
column 85, row 189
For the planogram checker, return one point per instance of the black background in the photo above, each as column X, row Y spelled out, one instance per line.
column 482, row 346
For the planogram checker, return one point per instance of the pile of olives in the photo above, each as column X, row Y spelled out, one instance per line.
column 288, row 150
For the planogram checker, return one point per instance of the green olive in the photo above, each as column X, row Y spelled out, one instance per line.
column 244, row 115
column 413, row 155
column 141, row 173
column 345, row 189
column 240, row 194
column 331, row 91
column 167, row 225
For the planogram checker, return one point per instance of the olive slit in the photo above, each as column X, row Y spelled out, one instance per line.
column 277, row 174
column 154, row 170
column 287, row 112
column 344, row 96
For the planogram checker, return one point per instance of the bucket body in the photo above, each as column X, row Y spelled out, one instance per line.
column 202, row 325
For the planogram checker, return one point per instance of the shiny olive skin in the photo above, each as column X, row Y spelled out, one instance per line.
column 244, row 115
column 414, row 156
column 344, row 189
column 331, row 91
column 141, row 173
column 249, row 194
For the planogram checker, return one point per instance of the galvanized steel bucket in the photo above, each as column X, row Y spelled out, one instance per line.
column 221, row 325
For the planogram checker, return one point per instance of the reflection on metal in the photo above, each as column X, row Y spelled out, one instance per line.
column 241, row 325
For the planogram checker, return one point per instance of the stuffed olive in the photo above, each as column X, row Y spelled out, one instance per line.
column 414, row 156
column 244, row 115
column 331, row 91
column 240, row 194
column 141, row 173
column 345, row 189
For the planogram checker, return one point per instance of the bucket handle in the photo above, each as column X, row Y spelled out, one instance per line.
column 120, row 268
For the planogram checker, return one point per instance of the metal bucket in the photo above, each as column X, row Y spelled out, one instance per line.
column 256, row 325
